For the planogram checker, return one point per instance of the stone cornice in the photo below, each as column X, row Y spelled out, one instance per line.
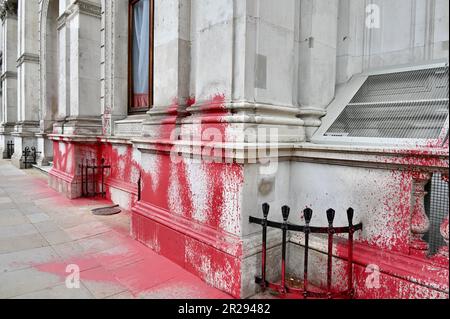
column 415, row 159
column 28, row 57
column 85, row 7
column 8, row 75
column 61, row 21
column 423, row 159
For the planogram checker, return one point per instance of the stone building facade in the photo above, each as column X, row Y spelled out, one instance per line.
column 207, row 109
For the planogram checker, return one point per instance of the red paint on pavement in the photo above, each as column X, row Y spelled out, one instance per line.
column 136, row 268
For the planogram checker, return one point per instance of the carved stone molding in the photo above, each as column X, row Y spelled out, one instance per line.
column 61, row 21
column 8, row 75
column 86, row 7
column 28, row 57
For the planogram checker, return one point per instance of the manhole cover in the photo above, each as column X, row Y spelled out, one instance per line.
column 107, row 211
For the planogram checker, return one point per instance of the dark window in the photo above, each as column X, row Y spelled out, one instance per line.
column 140, row 56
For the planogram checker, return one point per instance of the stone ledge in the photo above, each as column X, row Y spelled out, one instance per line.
column 227, row 243
column 430, row 159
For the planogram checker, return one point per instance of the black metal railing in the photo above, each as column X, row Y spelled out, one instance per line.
column 139, row 187
column 436, row 208
column 89, row 173
column 285, row 226
column 9, row 149
column 29, row 155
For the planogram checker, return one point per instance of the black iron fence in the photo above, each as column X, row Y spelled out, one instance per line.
column 9, row 149
column 436, row 208
column 29, row 156
column 90, row 171
column 306, row 229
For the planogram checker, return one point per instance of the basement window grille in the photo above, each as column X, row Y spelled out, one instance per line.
column 436, row 207
column 391, row 108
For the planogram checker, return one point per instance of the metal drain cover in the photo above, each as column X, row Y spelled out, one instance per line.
column 107, row 211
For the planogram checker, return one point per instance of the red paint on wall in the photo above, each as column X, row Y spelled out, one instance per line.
column 209, row 200
column 386, row 274
column 213, row 265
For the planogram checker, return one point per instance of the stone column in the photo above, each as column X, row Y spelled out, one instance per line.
column 171, row 64
column 8, row 77
column 114, row 73
column 1, row 66
column 83, row 28
column 420, row 223
column 317, row 60
column 28, row 80
column 63, row 85
column 53, row 66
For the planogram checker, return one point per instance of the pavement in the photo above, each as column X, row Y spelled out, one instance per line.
column 55, row 248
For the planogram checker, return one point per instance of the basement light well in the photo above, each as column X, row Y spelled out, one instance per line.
column 407, row 106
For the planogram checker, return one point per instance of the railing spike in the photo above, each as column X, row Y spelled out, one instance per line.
column 265, row 208
column 307, row 230
column 330, row 215
column 350, row 214
column 307, row 213
column 285, row 210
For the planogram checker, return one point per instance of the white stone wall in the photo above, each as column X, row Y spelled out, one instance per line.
column 409, row 31
column 289, row 53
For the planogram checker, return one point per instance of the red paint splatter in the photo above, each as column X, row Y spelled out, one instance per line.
column 156, row 182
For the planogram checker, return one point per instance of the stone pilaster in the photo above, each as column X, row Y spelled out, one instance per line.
column 8, row 76
column 317, row 60
column 83, row 28
column 114, row 72
column 49, row 73
column 172, row 57
column 28, row 80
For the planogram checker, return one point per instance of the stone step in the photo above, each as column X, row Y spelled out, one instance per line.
column 44, row 169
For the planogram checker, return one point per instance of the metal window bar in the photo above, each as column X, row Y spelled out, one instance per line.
column 89, row 173
column 436, row 208
column 331, row 230
column 412, row 104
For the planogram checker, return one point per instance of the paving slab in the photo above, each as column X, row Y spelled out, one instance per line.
column 17, row 283
column 101, row 283
column 17, row 243
column 47, row 226
column 59, row 292
column 17, row 230
column 23, row 259
column 12, row 219
column 57, row 237
column 38, row 218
